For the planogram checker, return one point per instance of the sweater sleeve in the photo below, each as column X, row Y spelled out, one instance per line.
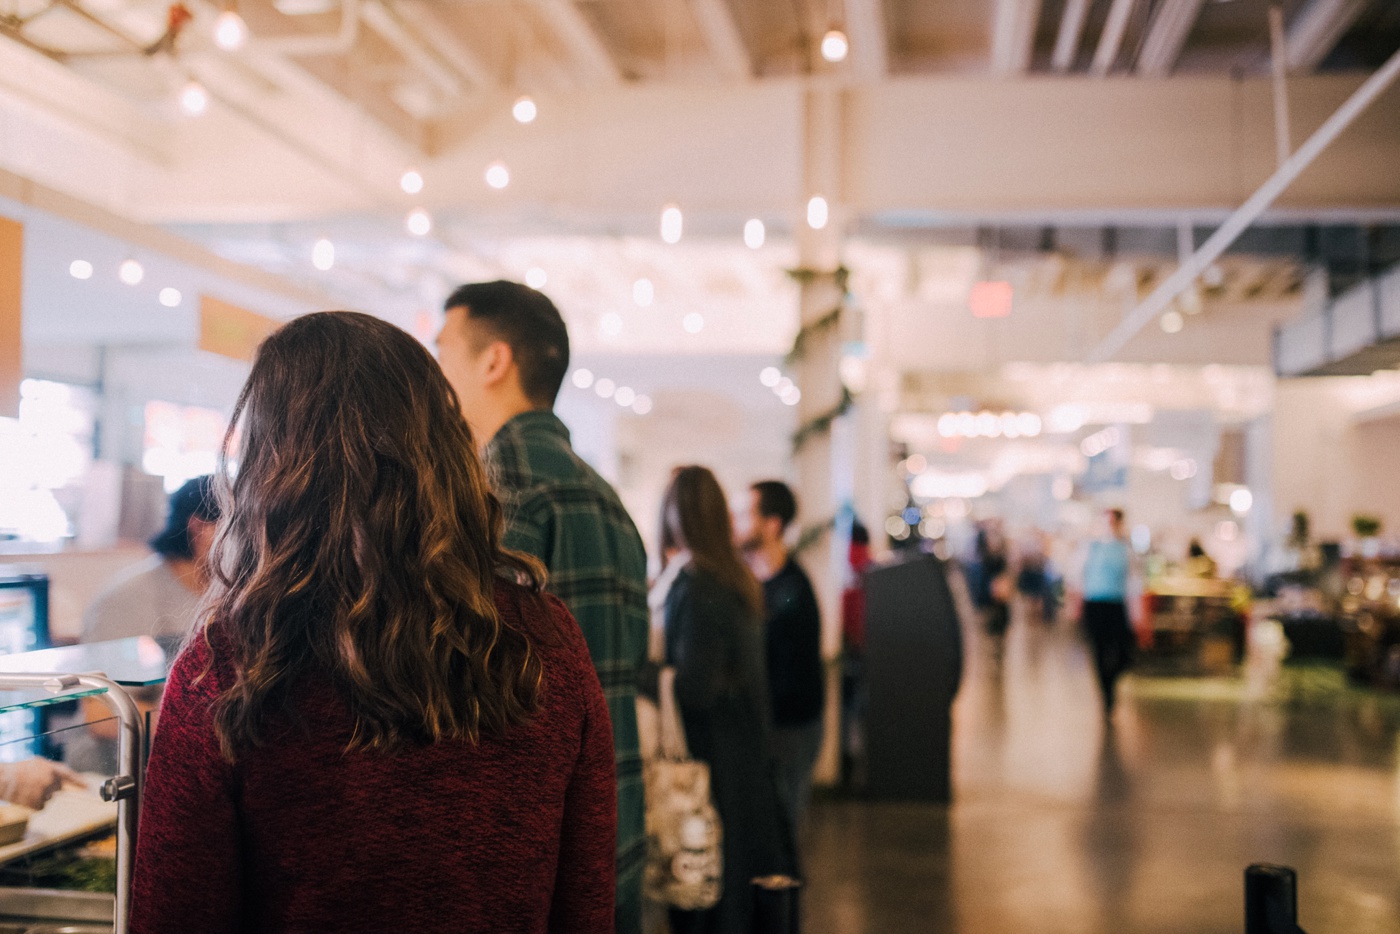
column 585, row 881
column 188, row 867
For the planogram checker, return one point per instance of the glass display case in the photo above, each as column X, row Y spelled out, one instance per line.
column 69, row 868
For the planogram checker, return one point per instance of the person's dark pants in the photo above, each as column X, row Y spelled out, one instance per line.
column 1111, row 638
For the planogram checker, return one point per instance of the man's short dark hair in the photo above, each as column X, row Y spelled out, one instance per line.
column 526, row 320
column 775, row 501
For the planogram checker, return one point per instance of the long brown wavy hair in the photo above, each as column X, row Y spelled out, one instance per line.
column 361, row 540
column 695, row 516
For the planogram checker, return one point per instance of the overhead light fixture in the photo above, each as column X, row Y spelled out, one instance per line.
column 194, row 100
column 411, row 181
column 80, row 269
column 419, row 222
column 818, row 213
column 525, row 110
column 323, row 254
column 171, row 298
column 230, row 32
column 835, row 46
column 131, row 272
column 643, row 292
column 671, row 223
column 754, row 233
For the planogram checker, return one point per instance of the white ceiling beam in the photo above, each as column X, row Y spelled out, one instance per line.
column 1166, row 36
column 1013, row 35
column 585, row 46
column 1111, row 41
column 722, row 36
column 1067, row 39
column 393, row 31
column 1317, row 29
column 431, row 28
column 870, row 43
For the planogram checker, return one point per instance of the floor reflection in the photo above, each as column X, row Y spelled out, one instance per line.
column 1063, row 823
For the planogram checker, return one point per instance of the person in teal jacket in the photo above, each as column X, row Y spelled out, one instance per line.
column 1110, row 635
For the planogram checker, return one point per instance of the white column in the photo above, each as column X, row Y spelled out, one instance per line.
column 824, row 462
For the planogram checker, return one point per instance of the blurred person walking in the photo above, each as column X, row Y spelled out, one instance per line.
column 1106, row 623
column 715, row 642
column 505, row 349
column 384, row 724
column 793, row 643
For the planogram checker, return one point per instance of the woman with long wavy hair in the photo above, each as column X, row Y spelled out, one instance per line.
column 714, row 639
column 384, row 723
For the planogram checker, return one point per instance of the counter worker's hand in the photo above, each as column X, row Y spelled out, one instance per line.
column 32, row 782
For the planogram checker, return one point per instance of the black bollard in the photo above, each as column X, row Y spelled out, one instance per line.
column 775, row 905
column 1270, row 900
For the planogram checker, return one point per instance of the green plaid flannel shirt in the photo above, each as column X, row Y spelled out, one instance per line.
column 562, row 512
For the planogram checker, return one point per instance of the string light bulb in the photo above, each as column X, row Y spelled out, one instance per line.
column 818, row 212
column 131, row 272
column 497, row 175
column 194, row 100
column 835, row 46
column 411, row 181
column 80, row 269
column 525, row 110
column 754, row 233
column 230, row 32
column 419, row 222
column 323, row 254
column 171, row 298
column 672, row 222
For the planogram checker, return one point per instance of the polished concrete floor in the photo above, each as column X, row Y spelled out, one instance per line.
column 1065, row 823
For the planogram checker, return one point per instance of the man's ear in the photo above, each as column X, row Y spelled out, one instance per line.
column 497, row 361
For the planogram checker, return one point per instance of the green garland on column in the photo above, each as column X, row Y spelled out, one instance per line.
column 813, row 534
column 821, row 424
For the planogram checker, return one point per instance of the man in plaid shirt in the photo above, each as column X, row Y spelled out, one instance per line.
column 505, row 349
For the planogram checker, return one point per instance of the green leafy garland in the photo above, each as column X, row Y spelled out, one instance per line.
column 820, row 424
column 813, row 534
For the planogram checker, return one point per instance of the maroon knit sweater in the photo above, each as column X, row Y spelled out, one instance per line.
column 515, row 834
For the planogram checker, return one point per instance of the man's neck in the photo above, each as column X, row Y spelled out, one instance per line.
column 769, row 558
column 498, row 419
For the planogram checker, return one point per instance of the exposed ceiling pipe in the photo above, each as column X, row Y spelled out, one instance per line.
column 1067, row 40
column 1166, row 36
column 425, row 23
column 1111, row 41
column 341, row 43
column 723, row 38
column 1247, row 213
column 382, row 20
column 586, row 47
column 1013, row 35
column 1317, row 29
column 865, row 26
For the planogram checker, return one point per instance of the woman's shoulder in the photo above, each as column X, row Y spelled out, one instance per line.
column 544, row 619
